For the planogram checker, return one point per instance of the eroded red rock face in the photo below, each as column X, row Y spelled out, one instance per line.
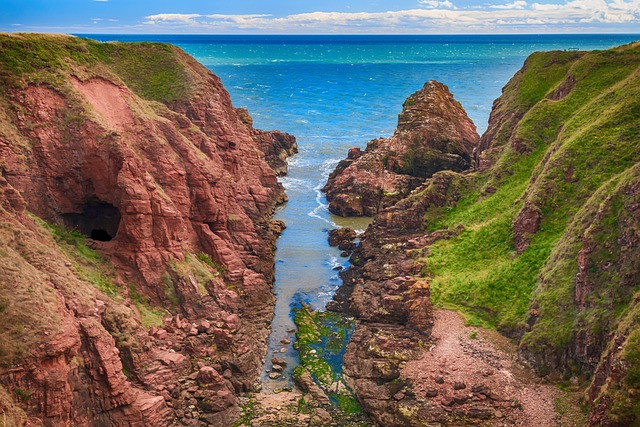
column 152, row 185
column 434, row 133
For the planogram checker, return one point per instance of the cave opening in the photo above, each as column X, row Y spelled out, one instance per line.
column 100, row 235
column 97, row 219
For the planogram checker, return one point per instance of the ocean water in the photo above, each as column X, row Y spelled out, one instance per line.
column 336, row 92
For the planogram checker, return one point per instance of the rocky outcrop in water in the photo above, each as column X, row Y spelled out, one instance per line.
column 434, row 133
column 155, row 310
column 541, row 242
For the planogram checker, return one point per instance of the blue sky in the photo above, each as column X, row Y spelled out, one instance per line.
column 322, row 17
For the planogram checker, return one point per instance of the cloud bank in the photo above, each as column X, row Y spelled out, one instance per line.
column 434, row 16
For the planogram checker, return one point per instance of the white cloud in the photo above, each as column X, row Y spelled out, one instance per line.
column 179, row 18
column 438, row 16
column 517, row 4
column 435, row 4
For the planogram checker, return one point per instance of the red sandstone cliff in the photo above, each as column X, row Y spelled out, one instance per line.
column 541, row 241
column 138, row 147
column 434, row 133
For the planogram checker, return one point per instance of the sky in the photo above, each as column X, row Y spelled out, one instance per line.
column 320, row 16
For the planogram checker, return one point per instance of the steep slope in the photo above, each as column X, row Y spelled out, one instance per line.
column 541, row 241
column 136, row 218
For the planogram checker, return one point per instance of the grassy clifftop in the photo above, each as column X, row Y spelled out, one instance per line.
column 550, row 251
column 155, row 71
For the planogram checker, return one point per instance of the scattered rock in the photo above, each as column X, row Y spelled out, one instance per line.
column 278, row 361
column 399, row 395
column 447, row 401
column 306, row 383
column 207, row 375
column 460, row 398
column 341, row 237
column 431, row 392
column 321, row 418
column 459, row 385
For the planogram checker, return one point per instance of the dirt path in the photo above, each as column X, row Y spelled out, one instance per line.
column 465, row 359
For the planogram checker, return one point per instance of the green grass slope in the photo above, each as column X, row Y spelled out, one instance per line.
column 550, row 248
column 155, row 71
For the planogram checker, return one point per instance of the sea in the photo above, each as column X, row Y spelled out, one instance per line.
column 334, row 92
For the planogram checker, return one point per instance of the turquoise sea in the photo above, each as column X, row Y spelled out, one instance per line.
column 336, row 92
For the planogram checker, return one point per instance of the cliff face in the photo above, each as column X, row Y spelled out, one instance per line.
column 541, row 242
column 434, row 133
column 137, row 147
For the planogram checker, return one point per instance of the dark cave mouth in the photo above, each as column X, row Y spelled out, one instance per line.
column 100, row 235
column 97, row 219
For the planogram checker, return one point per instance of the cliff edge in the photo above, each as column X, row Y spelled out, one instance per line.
column 137, row 258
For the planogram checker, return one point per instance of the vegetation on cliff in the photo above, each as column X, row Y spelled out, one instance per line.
column 541, row 240
column 549, row 251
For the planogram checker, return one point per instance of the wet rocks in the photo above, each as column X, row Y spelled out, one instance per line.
column 342, row 238
column 306, row 383
column 278, row 361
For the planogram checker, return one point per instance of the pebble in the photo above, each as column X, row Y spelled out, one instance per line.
column 459, row 385
column 285, row 341
column 274, row 375
column 431, row 392
column 278, row 361
column 283, row 350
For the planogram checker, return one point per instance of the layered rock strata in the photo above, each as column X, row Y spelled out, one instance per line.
column 434, row 133
column 540, row 242
column 138, row 148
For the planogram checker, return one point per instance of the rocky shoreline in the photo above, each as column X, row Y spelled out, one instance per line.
column 500, row 243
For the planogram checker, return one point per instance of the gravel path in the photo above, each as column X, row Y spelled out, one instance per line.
column 477, row 357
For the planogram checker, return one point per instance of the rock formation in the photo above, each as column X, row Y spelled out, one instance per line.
column 277, row 146
column 137, row 256
column 541, row 242
column 434, row 133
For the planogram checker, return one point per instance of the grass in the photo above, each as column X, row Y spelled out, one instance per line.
column 155, row 71
column 90, row 264
column 248, row 413
column 202, row 271
column 308, row 337
column 92, row 267
column 149, row 315
column 205, row 258
column 478, row 272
